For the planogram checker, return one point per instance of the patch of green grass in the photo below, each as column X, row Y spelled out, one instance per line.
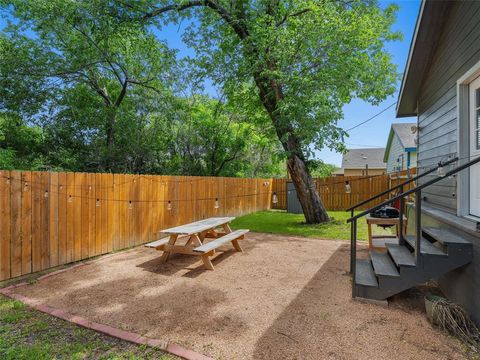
column 26, row 334
column 281, row 222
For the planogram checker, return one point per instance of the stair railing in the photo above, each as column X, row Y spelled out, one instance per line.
column 400, row 187
column 418, row 213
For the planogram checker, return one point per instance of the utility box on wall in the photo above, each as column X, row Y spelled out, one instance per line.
column 293, row 204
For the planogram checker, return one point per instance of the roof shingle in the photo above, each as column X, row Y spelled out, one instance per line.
column 404, row 133
column 359, row 158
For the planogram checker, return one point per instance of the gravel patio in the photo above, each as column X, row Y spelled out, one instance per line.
column 283, row 298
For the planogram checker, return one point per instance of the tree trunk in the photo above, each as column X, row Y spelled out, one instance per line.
column 312, row 204
column 110, row 138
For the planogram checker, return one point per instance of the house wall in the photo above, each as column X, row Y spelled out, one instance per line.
column 396, row 149
column 361, row 172
column 461, row 285
column 457, row 51
column 413, row 159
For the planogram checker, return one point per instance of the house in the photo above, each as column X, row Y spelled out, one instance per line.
column 363, row 162
column 441, row 87
column 401, row 151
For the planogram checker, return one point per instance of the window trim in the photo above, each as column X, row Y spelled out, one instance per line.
column 463, row 132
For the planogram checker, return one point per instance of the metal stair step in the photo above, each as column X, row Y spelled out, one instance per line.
column 445, row 236
column 383, row 264
column 364, row 274
column 426, row 247
column 401, row 255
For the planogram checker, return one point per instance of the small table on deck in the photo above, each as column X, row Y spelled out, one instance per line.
column 378, row 242
column 196, row 233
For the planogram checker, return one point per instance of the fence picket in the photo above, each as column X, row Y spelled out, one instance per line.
column 16, row 223
column 49, row 219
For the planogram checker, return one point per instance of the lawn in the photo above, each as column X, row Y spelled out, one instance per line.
column 26, row 334
column 281, row 222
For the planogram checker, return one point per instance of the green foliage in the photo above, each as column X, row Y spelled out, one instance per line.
column 20, row 144
column 305, row 59
column 212, row 139
column 85, row 86
column 96, row 94
column 320, row 169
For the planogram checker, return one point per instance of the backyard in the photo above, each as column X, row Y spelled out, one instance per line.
column 281, row 222
column 178, row 179
column 213, row 313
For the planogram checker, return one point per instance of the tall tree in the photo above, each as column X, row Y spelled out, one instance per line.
column 303, row 59
column 79, row 66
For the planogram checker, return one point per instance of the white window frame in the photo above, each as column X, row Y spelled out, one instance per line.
column 463, row 132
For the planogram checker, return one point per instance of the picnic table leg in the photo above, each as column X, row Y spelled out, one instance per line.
column 201, row 236
column 206, row 261
column 227, row 228
column 166, row 254
column 236, row 245
column 190, row 239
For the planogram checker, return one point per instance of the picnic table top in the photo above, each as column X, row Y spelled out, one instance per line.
column 198, row 226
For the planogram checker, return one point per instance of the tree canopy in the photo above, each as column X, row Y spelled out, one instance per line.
column 302, row 59
column 100, row 90
column 82, row 91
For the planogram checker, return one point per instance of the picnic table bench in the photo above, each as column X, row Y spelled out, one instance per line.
column 196, row 233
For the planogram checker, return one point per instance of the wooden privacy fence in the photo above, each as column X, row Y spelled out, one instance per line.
column 49, row 219
column 333, row 193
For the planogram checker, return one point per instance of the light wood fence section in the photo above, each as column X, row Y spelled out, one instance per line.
column 49, row 219
column 333, row 193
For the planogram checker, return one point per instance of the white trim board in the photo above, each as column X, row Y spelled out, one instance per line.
column 463, row 132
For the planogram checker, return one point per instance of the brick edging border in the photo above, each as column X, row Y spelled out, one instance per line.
column 132, row 337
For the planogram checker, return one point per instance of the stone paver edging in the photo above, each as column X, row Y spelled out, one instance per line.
column 105, row 329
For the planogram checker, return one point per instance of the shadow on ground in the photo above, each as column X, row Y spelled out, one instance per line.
column 323, row 322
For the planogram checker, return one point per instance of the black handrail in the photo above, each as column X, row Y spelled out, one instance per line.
column 418, row 202
column 418, row 176
column 415, row 189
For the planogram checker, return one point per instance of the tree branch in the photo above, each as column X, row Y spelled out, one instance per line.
column 287, row 16
column 122, row 94
column 239, row 29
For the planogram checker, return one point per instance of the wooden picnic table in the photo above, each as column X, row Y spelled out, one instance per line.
column 196, row 233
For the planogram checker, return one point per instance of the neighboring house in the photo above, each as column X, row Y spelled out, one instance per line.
column 363, row 162
column 441, row 86
column 401, row 151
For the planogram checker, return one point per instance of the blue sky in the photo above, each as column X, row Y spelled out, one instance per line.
column 373, row 133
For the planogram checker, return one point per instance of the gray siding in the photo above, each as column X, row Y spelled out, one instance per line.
column 461, row 285
column 396, row 149
column 457, row 51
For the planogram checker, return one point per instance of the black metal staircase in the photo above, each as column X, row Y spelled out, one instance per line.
column 427, row 254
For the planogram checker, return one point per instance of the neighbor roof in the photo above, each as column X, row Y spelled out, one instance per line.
column 430, row 22
column 405, row 135
column 358, row 158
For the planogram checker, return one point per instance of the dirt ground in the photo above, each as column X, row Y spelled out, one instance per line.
column 283, row 298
